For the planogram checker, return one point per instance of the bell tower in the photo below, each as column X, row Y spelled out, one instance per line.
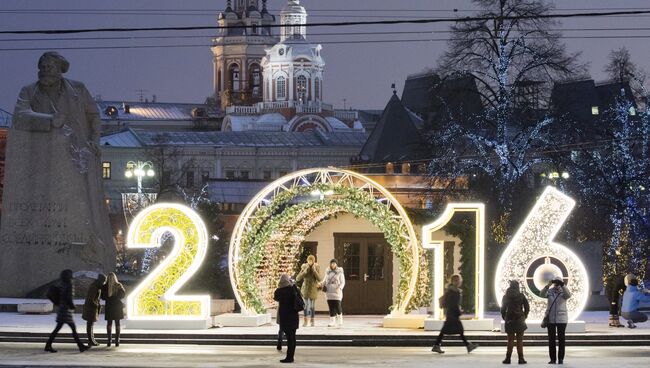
column 238, row 51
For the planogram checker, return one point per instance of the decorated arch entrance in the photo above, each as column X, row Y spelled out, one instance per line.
column 267, row 237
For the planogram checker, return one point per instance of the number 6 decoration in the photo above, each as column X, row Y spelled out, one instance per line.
column 533, row 259
column 155, row 298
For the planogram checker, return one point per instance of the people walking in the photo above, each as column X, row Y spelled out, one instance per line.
column 557, row 294
column 452, row 326
column 514, row 311
column 113, row 292
column 62, row 295
column 285, row 295
column 311, row 277
column 631, row 298
column 333, row 287
column 614, row 289
column 92, row 306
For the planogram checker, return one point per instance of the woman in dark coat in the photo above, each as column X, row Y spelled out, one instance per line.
column 113, row 293
column 453, row 325
column 285, row 295
column 63, row 295
column 514, row 311
column 91, row 308
column 614, row 289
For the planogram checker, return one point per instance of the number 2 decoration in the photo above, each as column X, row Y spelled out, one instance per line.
column 155, row 298
column 532, row 258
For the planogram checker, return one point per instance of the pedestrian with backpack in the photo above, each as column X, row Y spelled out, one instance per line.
column 290, row 303
column 450, row 301
column 61, row 294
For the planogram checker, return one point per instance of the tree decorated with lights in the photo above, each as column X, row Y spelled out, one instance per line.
column 514, row 58
column 613, row 178
column 512, row 50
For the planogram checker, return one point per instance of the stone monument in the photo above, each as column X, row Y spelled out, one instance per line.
column 53, row 214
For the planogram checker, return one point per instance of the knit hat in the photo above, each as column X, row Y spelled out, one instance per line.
column 333, row 260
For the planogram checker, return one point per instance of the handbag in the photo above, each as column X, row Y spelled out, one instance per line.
column 545, row 320
column 298, row 301
column 324, row 288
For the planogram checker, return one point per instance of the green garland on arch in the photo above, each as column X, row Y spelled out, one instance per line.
column 280, row 211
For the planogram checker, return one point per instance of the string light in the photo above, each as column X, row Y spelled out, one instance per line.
column 155, row 297
column 532, row 248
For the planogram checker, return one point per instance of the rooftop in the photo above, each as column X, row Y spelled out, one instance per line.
column 139, row 138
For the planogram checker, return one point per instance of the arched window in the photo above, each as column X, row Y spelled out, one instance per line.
column 281, row 86
column 256, row 80
column 301, row 88
column 234, row 78
column 317, row 89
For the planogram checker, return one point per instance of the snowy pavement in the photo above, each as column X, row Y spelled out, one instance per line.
column 32, row 355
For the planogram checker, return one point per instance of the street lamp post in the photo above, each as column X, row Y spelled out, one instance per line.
column 139, row 169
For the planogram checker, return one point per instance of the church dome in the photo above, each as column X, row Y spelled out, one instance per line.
column 293, row 7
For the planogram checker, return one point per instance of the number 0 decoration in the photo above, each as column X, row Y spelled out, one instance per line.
column 533, row 258
column 155, row 298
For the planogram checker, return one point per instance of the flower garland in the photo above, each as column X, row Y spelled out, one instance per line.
column 278, row 228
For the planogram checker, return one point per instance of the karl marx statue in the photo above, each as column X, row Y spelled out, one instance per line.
column 53, row 214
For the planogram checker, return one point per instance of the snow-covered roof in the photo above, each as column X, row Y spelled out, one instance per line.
column 155, row 111
column 141, row 137
column 336, row 124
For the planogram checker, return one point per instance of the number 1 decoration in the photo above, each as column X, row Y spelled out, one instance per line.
column 155, row 298
column 533, row 258
column 430, row 242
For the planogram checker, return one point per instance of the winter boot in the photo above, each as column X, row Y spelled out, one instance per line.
column 631, row 324
column 312, row 323
column 49, row 349
column 305, row 322
column 332, row 322
column 471, row 346
column 506, row 360
column 90, row 331
column 117, row 335
column 436, row 349
column 522, row 360
column 339, row 320
column 109, row 334
column 617, row 322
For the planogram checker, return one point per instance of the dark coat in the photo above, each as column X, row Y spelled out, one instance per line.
column 286, row 310
column 614, row 288
column 114, row 308
column 66, row 303
column 91, row 305
column 452, row 325
column 514, row 311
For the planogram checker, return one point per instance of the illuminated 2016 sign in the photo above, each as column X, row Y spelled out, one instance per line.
column 533, row 259
column 155, row 298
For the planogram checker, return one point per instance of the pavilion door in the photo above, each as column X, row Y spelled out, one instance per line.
column 367, row 262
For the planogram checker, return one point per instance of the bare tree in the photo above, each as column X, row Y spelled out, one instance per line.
column 171, row 162
column 621, row 68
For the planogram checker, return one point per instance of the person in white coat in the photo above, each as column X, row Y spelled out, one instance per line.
column 333, row 287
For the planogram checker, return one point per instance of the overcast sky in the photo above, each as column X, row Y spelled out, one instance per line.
column 361, row 73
